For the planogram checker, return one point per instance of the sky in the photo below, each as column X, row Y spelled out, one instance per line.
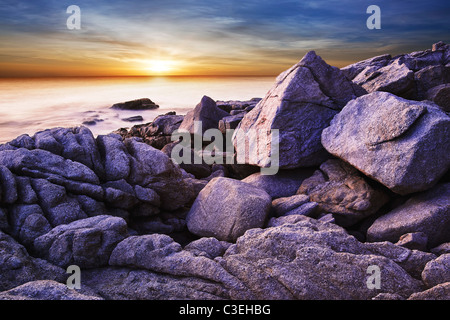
column 207, row 37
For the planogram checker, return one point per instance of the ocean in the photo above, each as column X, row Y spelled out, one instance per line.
column 31, row 105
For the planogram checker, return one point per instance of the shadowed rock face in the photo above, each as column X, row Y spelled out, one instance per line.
column 401, row 143
column 300, row 105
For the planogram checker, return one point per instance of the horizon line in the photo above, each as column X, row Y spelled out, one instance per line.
column 138, row 76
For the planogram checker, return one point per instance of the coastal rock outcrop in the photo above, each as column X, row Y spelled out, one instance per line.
column 372, row 223
column 392, row 140
column 300, row 105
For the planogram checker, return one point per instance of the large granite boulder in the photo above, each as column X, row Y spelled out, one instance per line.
column 226, row 208
column 428, row 213
column 401, row 143
column 300, row 105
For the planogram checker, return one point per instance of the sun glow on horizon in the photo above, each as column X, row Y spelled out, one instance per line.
column 160, row 66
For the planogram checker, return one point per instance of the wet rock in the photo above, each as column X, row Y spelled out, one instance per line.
column 133, row 119
column 139, row 104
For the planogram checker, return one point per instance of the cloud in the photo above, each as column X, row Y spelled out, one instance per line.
column 252, row 32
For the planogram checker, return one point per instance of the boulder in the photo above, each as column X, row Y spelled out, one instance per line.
column 440, row 95
column 311, row 260
column 395, row 77
column 281, row 206
column 200, row 170
column 28, row 222
column 226, row 208
column 284, row 183
column 439, row 292
column 340, row 189
column 392, row 140
column 46, row 290
column 428, row 213
column 351, row 71
column 159, row 253
column 437, row 271
column 138, row 104
column 300, row 105
column 207, row 113
column 414, row 241
column 114, row 155
column 430, row 77
column 133, row 119
column 230, row 122
column 86, row 243
column 18, row 267
column 114, row 283
column 441, row 249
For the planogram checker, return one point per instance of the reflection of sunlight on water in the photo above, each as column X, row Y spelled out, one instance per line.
column 31, row 105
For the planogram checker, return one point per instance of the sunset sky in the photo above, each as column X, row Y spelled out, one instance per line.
column 206, row 37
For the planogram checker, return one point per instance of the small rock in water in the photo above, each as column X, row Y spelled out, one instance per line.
column 133, row 119
column 139, row 104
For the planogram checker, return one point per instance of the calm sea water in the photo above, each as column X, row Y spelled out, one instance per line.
column 31, row 105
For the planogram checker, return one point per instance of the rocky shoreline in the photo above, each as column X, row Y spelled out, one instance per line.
column 363, row 185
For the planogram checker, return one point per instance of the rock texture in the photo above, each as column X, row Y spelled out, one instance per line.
column 86, row 243
column 392, row 140
column 18, row 267
column 340, row 189
column 428, row 213
column 407, row 75
column 226, row 208
column 45, row 290
column 207, row 113
column 300, row 105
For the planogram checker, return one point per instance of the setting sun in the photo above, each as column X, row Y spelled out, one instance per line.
column 160, row 66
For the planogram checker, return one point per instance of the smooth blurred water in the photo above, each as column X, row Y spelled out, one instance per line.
column 32, row 105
